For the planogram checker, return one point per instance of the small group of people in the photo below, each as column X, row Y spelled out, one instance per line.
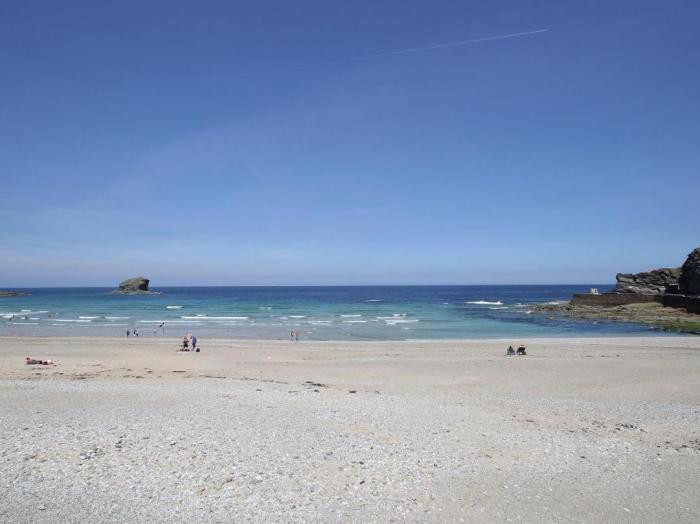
column 32, row 361
column 294, row 335
column 520, row 351
column 189, row 343
column 130, row 332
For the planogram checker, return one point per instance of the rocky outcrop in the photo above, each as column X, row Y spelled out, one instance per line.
column 133, row 286
column 689, row 281
column 13, row 294
column 667, row 298
column 654, row 314
column 656, row 282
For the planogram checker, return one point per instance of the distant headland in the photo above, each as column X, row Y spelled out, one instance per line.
column 13, row 294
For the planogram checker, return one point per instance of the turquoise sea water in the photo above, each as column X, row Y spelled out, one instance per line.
column 320, row 313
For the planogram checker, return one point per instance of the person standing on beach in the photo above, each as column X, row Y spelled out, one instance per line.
column 128, row 332
column 194, row 342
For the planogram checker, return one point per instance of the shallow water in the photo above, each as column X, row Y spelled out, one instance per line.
column 320, row 313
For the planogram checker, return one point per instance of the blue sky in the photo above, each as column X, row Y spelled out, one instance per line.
column 234, row 143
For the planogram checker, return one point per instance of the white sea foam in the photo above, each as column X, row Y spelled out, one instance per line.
column 354, row 321
column 117, row 318
column 499, row 307
column 24, row 323
column 87, row 318
column 34, row 318
column 350, row 316
column 320, row 322
column 26, row 310
column 557, row 302
column 297, row 316
column 173, row 307
column 374, row 300
column 393, row 317
column 168, row 322
column 205, row 317
column 401, row 321
column 486, row 303
column 83, row 321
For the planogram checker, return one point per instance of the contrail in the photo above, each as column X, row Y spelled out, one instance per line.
column 395, row 53
column 438, row 46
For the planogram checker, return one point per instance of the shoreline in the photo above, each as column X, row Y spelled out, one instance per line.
column 144, row 334
column 157, row 357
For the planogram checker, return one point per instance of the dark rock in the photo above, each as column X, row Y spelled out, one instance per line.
column 656, row 282
column 689, row 281
column 12, row 294
column 133, row 286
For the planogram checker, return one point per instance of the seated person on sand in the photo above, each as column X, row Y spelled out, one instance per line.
column 521, row 350
column 184, row 346
column 31, row 360
column 510, row 351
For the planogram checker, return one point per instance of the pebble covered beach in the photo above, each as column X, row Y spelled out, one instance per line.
column 580, row 430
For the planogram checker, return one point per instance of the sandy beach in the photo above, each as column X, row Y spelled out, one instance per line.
column 580, row 430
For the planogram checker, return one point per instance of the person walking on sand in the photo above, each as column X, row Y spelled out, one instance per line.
column 194, row 342
column 128, row 332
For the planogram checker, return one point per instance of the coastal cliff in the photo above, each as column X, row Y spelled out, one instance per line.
column 666, row 299
column 655, row 282
column 689, row 280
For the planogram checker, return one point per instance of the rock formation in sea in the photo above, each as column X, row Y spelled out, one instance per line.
column 655, row 282
column 13, row 294
column 689, row 280
column 133, row 286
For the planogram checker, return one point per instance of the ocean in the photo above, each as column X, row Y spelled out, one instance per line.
column 318, row 313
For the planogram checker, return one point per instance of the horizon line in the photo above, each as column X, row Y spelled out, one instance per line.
column 315, row 285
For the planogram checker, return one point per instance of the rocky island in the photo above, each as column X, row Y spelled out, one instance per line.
column 13, row 294
column 134, row 286
column 666, row 299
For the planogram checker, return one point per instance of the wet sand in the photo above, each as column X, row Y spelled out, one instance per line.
column 580, row 430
